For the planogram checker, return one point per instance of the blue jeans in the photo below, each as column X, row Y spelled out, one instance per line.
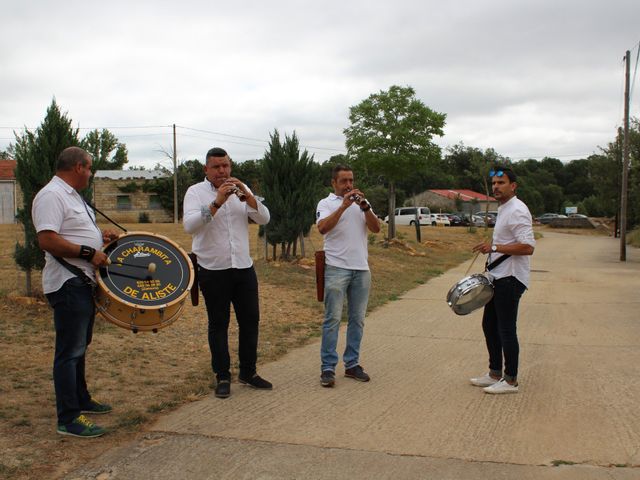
column 355, row 284
column 73, row 317
column 499, row 327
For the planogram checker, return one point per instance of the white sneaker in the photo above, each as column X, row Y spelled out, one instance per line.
column 485, row 380
column 502, row 387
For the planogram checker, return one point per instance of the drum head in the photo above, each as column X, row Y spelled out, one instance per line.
column 469, row 294
column 134, row 281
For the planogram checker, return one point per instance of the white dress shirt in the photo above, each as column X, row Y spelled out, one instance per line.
column 60, row 208
column 222, row 241
column 513, row 225
column 345, row 245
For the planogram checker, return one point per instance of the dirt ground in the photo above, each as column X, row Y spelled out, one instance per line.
column 145, row 375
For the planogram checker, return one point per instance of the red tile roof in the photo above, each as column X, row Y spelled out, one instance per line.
column 465, row 195
column 7, row 168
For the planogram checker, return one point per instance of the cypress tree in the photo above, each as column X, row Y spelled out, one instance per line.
column 291, row 189
column 36, row 154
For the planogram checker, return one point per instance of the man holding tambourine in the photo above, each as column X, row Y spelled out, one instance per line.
column 513, row 236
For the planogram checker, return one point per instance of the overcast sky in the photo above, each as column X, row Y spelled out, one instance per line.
column 527, row 78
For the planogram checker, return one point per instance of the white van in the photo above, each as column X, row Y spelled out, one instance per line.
column 407, row 216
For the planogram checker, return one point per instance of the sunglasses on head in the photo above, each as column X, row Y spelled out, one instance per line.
column 496, row 173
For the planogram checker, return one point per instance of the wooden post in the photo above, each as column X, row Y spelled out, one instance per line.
column 625, row 164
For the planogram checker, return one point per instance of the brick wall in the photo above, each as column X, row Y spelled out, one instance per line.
column 108, row 198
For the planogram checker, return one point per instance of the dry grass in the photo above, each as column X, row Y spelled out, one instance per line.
column 146, row 375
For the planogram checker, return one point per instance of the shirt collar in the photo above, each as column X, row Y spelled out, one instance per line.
column 67, row 188
column 333, row 196
column 505, row 204
column 210, row 184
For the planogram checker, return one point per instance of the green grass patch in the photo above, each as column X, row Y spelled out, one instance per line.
column 131, row 419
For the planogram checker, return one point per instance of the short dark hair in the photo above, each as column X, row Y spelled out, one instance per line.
column 70, row 157
column 507, row 171
column 217, row 152
column 340, row 168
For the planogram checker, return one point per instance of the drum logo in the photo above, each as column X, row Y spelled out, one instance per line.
column 150, row 295
column 143, row 251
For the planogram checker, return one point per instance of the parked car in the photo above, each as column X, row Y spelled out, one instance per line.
column 457, row 220
column 407, row 216
column 546, row 218
column 488, row 217
column 477, row 221
column 440, row 219
column 577, row 215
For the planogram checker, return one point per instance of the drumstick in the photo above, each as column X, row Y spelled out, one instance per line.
column 148, row 277
column 151, row 268
column 472, row 262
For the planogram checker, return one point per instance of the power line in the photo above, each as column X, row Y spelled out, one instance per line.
column 310, row 147
column 222, row 134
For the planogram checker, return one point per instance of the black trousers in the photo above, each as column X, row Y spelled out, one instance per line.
column 499, row 326
column 220, row 289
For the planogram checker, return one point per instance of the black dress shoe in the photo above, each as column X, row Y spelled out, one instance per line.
column 256, row 382
column 223, row 389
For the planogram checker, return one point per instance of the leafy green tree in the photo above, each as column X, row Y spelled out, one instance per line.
column 291, row 189
column 391, row 135
column 101, row 146
column 36, row 155
column 250, row 172
column 606, row 189
column 530, row 196
column 188, row 173
column 579, row 181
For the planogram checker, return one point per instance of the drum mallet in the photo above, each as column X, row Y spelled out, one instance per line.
column 151, row 268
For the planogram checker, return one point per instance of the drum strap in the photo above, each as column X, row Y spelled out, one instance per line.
column 95, row 209
column 496, row 262
column 75, row 270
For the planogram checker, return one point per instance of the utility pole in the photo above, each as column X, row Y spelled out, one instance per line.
column 625, row 164
column 175, row 177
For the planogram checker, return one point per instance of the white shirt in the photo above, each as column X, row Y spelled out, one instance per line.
column 513, row 225
column 222, row 241
column 60, row 208
column 345, row 245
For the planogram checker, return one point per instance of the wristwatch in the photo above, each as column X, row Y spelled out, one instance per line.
column 215, row 205
column 494, row 248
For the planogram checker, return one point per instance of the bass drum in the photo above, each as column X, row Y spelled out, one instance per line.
column 470, row 293
column 145, row 285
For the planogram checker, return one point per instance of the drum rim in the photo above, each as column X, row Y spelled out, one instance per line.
column 454, row 288
column 128, row 303
column 460, row 309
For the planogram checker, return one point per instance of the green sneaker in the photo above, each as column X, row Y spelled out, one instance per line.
column 96, row 407
column 81, row 427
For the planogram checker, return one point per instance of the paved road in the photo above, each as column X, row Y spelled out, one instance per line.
column 419, row 417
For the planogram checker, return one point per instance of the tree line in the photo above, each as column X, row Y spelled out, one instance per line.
column 390, row 148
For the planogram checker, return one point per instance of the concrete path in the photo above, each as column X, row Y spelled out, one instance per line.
column 579, row 328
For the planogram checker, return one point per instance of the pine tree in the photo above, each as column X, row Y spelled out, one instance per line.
column 36, row 154
column 291, row 189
